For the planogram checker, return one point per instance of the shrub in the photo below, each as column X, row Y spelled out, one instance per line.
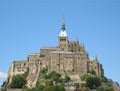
column 93, row 82
column 18, row 81
column 67, row 78
column 54, row 88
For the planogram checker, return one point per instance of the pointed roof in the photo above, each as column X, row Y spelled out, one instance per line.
column 63, row 32
column 63, row 24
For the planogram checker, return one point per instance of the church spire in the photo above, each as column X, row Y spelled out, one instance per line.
column 63, row 24
column 63, row 32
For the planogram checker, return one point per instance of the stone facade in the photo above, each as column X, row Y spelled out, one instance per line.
column 116, row 86
column 69, row 57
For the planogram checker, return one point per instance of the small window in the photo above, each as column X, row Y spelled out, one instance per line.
column 62, row 49
column 24, row 64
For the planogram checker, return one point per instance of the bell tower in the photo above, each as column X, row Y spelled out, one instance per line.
column 63, row 38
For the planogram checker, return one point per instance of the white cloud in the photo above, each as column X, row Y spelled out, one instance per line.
column 3, row 75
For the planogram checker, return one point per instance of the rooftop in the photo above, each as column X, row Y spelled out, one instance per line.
column 67, row 52
column 47, row 47
column 63, row 34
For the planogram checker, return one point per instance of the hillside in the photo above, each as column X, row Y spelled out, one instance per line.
column 53, row 81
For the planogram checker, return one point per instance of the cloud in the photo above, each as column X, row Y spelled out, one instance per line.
column 3, row 75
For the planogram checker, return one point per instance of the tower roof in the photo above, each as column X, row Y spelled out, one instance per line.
column 63, row 32
column 63, row 24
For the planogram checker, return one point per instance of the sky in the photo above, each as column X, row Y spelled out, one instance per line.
column 28, row 25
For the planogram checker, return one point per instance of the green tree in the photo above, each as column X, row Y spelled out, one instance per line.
column 93, row 82
column 3, row 84
column 90, row 82
column 32, row 89
column 97, row 82
column 40, row 86
column 67, row 78
column 82, row 89
column 83, row 85
column 84, row 77
column 93, row 72
column 49, row 83
column 44, row 70
column 77, row 85
column 54, row 88
column 54, row 76
column 100, row 89
column 18, row 81
column 109, row 89
column 104, row 79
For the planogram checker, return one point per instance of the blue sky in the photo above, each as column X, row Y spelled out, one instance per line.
column 27, row 25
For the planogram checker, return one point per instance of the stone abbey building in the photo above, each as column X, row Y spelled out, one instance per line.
column 69, row 57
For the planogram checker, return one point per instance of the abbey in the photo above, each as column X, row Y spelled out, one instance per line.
column 69, row 57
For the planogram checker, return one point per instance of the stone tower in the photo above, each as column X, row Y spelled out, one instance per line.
column 63, row 38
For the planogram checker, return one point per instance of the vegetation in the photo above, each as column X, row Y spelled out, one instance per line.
column 110, row 89
column 84, row 77
column 3, row 84
column 67, row 78
column 93, row 72
column 105, row 89
column 100, row 89
column 104, row 79
column 93, row 82
column 32, row 89
column 54, row 76
column 53, row 81
column 44, row 70
column 49, row 81
column 39, row 86
column 82, row 89
column 77, row 85
column 54, row 88
column 18, row 81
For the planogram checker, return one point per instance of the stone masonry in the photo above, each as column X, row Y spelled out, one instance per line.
column 68, row 57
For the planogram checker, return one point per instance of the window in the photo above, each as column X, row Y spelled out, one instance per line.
column 62, row 40
column 24, row 64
